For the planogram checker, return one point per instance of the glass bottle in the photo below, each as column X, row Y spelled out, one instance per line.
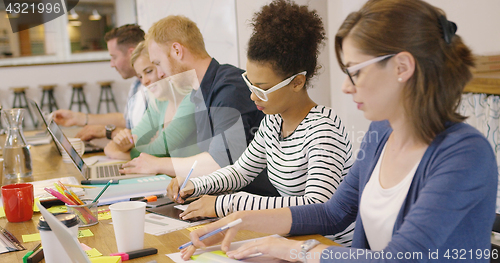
column 17, row 166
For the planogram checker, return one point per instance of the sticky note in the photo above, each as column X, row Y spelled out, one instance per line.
column 193, row 228
column 35, row 207
column 36, row 237
column 57, row 209
column 216, row 252
column 104, row 215
column 85, row 233
column 31, row 238
column 2, row 212
column 114, row 259
column 92, row 253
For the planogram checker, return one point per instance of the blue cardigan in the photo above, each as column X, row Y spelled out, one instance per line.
column 447, row 215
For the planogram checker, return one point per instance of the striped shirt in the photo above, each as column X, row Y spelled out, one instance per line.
column 306, row 167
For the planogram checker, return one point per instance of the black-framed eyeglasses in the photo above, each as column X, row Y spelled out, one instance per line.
column 352, row 69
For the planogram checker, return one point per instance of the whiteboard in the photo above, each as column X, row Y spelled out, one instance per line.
column 216, row 20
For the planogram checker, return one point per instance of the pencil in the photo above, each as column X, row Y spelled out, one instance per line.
column 102, row 191
column 79, row 186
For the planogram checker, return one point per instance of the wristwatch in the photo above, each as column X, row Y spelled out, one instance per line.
column 308, row 245
column 109, row 130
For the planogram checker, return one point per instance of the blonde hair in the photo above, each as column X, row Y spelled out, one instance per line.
column 178, row 29
column 140, row 50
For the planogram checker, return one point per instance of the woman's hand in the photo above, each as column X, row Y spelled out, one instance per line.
column 173, row 190
column 275, row 247
column 111, row 150
column 203, row 207
column 124, row 140
column 145, row 164
column 226, row 237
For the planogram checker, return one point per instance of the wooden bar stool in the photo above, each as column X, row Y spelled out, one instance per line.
column 108, row 93
column 78, row 90
column 49, row 91
column 20, row 101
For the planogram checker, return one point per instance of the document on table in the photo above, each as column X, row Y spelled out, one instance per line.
column 176, row 257
column 158, row 225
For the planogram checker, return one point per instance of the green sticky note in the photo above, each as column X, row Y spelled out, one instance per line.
column 216, row 252
column 92, row 253
column 31, row 238
column 85, row 233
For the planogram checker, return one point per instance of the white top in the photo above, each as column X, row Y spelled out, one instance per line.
column 379, row 207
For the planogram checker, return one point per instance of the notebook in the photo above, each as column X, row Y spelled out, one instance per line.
column 94, row 172
column 89, row 146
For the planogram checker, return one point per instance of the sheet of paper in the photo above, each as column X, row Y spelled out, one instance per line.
column 181, row 207
column 38, row 186
column 176, row 257
column 92, row 253
column 158, row 225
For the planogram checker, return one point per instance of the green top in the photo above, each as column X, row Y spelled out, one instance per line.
column 176, row 139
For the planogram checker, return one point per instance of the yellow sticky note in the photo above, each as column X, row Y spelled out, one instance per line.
column 92, row 253
column 35, row 207
column 114, row 259
column 85, row 233
column 104, row 215
column 31, row 238
column 58, row 209
column 216, row 252
column 2, row 212
column 193, row 228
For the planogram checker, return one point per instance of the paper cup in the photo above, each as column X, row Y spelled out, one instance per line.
column 128, row 223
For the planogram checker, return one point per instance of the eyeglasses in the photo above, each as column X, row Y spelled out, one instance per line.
column 356, row 68
column 262, row 94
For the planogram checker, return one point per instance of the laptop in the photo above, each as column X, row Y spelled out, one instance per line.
column 94, row 172
column 69, row 242
column 89, row 146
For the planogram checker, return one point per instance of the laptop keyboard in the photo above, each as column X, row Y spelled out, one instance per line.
column 108, row 171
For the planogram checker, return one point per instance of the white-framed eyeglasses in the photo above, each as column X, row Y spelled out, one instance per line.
column 352, row 70
column 262, row 94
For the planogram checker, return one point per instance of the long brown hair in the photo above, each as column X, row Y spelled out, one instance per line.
column 442, row 69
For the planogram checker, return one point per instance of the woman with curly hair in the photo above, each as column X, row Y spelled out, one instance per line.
column 424, row 188
column 303, row 145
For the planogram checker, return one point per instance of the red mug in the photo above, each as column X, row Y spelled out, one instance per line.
column 18, row 202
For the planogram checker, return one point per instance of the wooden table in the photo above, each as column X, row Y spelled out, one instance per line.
column 47, row 164
column 487, row 82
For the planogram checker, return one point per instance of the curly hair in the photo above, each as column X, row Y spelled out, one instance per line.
column 287, row 36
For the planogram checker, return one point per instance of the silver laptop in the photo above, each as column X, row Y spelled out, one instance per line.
column 94, row 172
column 89, row 146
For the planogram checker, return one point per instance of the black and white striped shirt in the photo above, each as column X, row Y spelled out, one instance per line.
column 306, row 167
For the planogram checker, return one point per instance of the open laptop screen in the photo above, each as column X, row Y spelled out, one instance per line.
column 59, row 136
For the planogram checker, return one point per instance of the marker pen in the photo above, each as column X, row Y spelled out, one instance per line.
column 136, row 253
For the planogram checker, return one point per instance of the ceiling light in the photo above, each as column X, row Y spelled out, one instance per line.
column 75, row 23
column 72, row 15
column 95, row 15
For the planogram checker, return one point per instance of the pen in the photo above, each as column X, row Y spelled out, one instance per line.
column 147, row 199
column 36, row 257
column 102, row 191
column 78, row 186
column 25, row 258
column 136, row 253
column 185, row 180
column 235, row 222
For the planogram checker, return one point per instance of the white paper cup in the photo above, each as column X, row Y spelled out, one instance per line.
column 128, row 223
column 79, row 146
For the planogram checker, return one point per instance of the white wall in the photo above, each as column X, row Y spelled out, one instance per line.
column 478, row 25
column 320, row 91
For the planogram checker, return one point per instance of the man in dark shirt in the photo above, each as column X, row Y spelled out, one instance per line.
column 226, row 118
